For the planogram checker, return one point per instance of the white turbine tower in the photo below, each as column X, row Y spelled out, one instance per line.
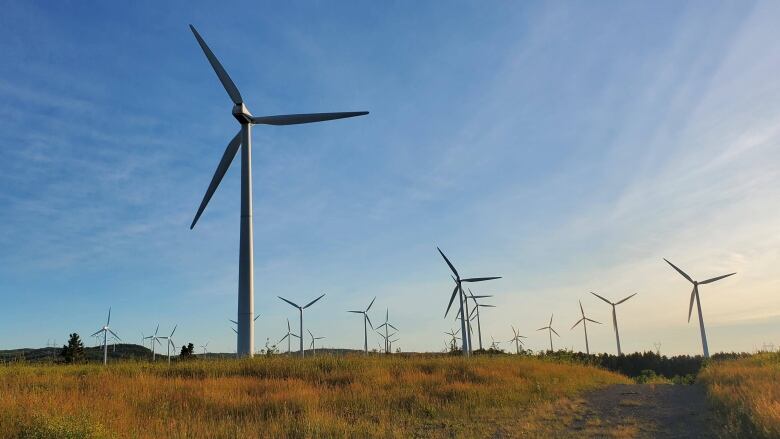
column 614, row 317
column 366, row 324
column 695, row 296
column 475, row 313
column 313, row 339
column 584, row 321
column 300, row 313
column 106, row 330
column 550, row 329
column 517, row 340
column 461, row 295
column 245, row 342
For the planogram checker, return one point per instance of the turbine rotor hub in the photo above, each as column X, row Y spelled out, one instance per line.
column 242, row 114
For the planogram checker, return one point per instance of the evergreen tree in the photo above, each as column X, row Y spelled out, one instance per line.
column 73, row 352
column 187, row 351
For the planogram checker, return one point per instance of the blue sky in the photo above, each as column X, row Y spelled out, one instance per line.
column 565, row 146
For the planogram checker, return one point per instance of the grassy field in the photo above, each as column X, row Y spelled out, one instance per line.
column 746, row 392
column 326, row 396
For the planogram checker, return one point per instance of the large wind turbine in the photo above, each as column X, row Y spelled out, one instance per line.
column 550, row 329
column 245, row 339
column 584, row 321
column 300, row 311
column 461, row 298
column 366, row 323
column 105, row 330
column 614, row 317
column 695, row 296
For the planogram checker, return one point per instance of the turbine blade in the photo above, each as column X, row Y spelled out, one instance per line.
column 370, row 304
column 288, row 325
column 679, row 271
column 312, row 335
column 109, row 316
column 626, row 299
column 313, row 301
column 550, row 324
column 224, row 164
column 356, row 312
column 716, row 278
column 283, row 338
column 556, row 332
column 294, row 119
column 486, row 306
column 690, row 307
column 601, row 297
column 452, row 299
column 582, row 310
column 233, row 321
column 593, row 321
column 234, row 330
column 369, row 321
column 480, row 279
column 578, row 322
column 392, row 326
column 96, row 332
column 448, row 263
column 230, row 88
column 114, row 334
column 481, row 296
column 542, row 328
column 157, row 329
column 257, row 317
column 291, row 303
column 174, row 330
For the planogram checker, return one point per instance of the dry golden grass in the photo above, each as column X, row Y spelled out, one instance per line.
column 747, row 394
column 353, row 396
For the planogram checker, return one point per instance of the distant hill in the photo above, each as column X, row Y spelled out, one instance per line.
column 120, row 351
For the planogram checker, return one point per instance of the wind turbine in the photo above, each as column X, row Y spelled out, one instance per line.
column 106, row 330
column 494, row 346
column 477, row 306
column 313, row 339
column 386, row 324
column 300, row 311
column 614, row 317
column 517, row 340
column 454, row 336
column 288, row 336
column 584, row 321
column 170, row 343
column 155, row 339
column 204, row 348
column 550, row 330
column 245, row 339
column 386, row 339
column 366, row 323
column 695, row 296
column 459, row 291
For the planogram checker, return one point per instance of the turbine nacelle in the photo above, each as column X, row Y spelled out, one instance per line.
column 242, row 114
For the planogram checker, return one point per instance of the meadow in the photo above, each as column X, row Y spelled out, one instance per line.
column 326, row 396
column 746, row 394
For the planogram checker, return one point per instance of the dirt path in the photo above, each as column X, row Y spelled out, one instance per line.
column 642, row 411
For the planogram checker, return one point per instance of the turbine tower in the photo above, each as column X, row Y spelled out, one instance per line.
column 106, row 330
column 475, row 313
column 461, row 298
column 245, row 340
column 171, row 343
column 614, row 317
column 366, row 323
column 550, row 329
column 584, row 321
column 313, row 339
column 695, row 296
column 300, row 311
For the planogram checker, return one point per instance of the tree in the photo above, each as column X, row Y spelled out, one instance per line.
column 187, row 351
column 73, row 352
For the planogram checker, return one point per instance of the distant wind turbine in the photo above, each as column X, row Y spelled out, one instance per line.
column 584, row 321
column 155, row 339
column 245, row 340
column 695, row 296
column 313, row 339
column 454, row 338
column 288, row 336
column 475, row 311
column 300, row 313
column 517, row 340
column 366, row 323
column 550, row 329
column 106, row 330
column 614, row 317
column 461, row 298
column 204, row 346
column 171, row 343
column 387, row 325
